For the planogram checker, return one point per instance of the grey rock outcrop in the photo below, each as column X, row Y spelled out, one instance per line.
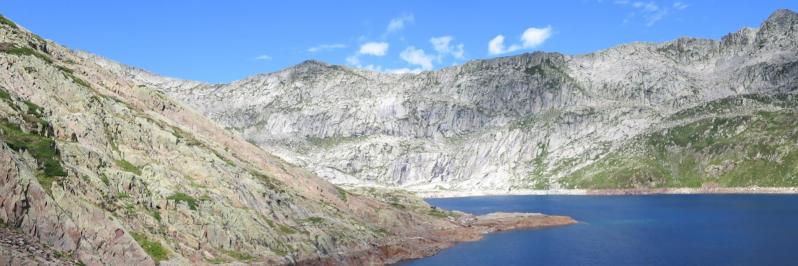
column 101, row 168
column 517, row 122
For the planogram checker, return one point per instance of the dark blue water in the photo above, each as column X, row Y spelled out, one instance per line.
column 635, row 230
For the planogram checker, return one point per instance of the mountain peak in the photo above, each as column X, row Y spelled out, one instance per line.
column 310, row 66
column 781, row 20
column 782, row 14
column 312, row 62
column 779, row 29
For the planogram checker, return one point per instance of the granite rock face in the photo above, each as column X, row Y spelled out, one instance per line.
column 522, row 122
column 100, row 167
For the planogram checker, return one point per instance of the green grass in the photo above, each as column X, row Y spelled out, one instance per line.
column 152, row 247
column 239, row 256
column 78, row 80
column 7, row 22
column 330, row 142
column 280, row 227
column 217, row 260
column 314, row 220
column 398, row 205
column 435, row 212
column 41, row 148
column 280, row 251
column 105, row 180
column 342, row 194
column 270, row 182
column 27, row 51
column 155, row 214
column 183, row 197
column 128, row 167
column 130, row 209
column 33, row 109
column 188, row 139
column 382, row 231
column 743, row 151
column 285, row 229
column 4, row 95
column 71, row 75
column 67, row 71
column 732, row 103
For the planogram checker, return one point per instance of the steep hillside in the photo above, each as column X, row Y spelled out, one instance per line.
column 103, row 169
column 533, row 121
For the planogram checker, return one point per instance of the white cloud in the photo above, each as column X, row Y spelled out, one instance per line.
column 496, row 45
column 646, row 7
column 443, row 46
column 263, row 57
column 415, row 56
column 374, row 48
column 369, row 48
column 531, row 38
column 652, row 18
column 399, row 23
column 326, row 47
column 650, row 11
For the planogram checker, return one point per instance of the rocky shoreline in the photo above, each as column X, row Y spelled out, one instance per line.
column 609, row 192
column 424, row 244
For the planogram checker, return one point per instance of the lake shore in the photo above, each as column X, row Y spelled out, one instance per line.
column 650, row 191
column 416, row 245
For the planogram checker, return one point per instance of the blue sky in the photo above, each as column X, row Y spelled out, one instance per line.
column 222, row 41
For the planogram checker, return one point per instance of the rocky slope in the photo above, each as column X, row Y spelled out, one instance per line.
column 99, row 167
column 685, row 113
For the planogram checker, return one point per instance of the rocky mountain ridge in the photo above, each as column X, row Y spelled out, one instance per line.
column 544, row 121
column 101, row 169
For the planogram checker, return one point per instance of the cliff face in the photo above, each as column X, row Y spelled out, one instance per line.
column 98, row 165
column 533, row 121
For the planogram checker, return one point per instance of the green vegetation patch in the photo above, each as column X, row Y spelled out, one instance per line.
column 732, row 103
column 5, row 96
column 743, row 151
column 438, row 213
column 183, row 197
column 33, row 109
column 24, row 51
column 152, row 247
column 342, row 193
column 217, row 260
column 286, row 229
column 41, row 148
column 105, row 179
column 128, row 167
column 155, row 214
column 330, row 142
column 7, row 22
column 314, row 220
column 187, row 138
column 270, row 182
column 239, row 256
column 130, row 209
